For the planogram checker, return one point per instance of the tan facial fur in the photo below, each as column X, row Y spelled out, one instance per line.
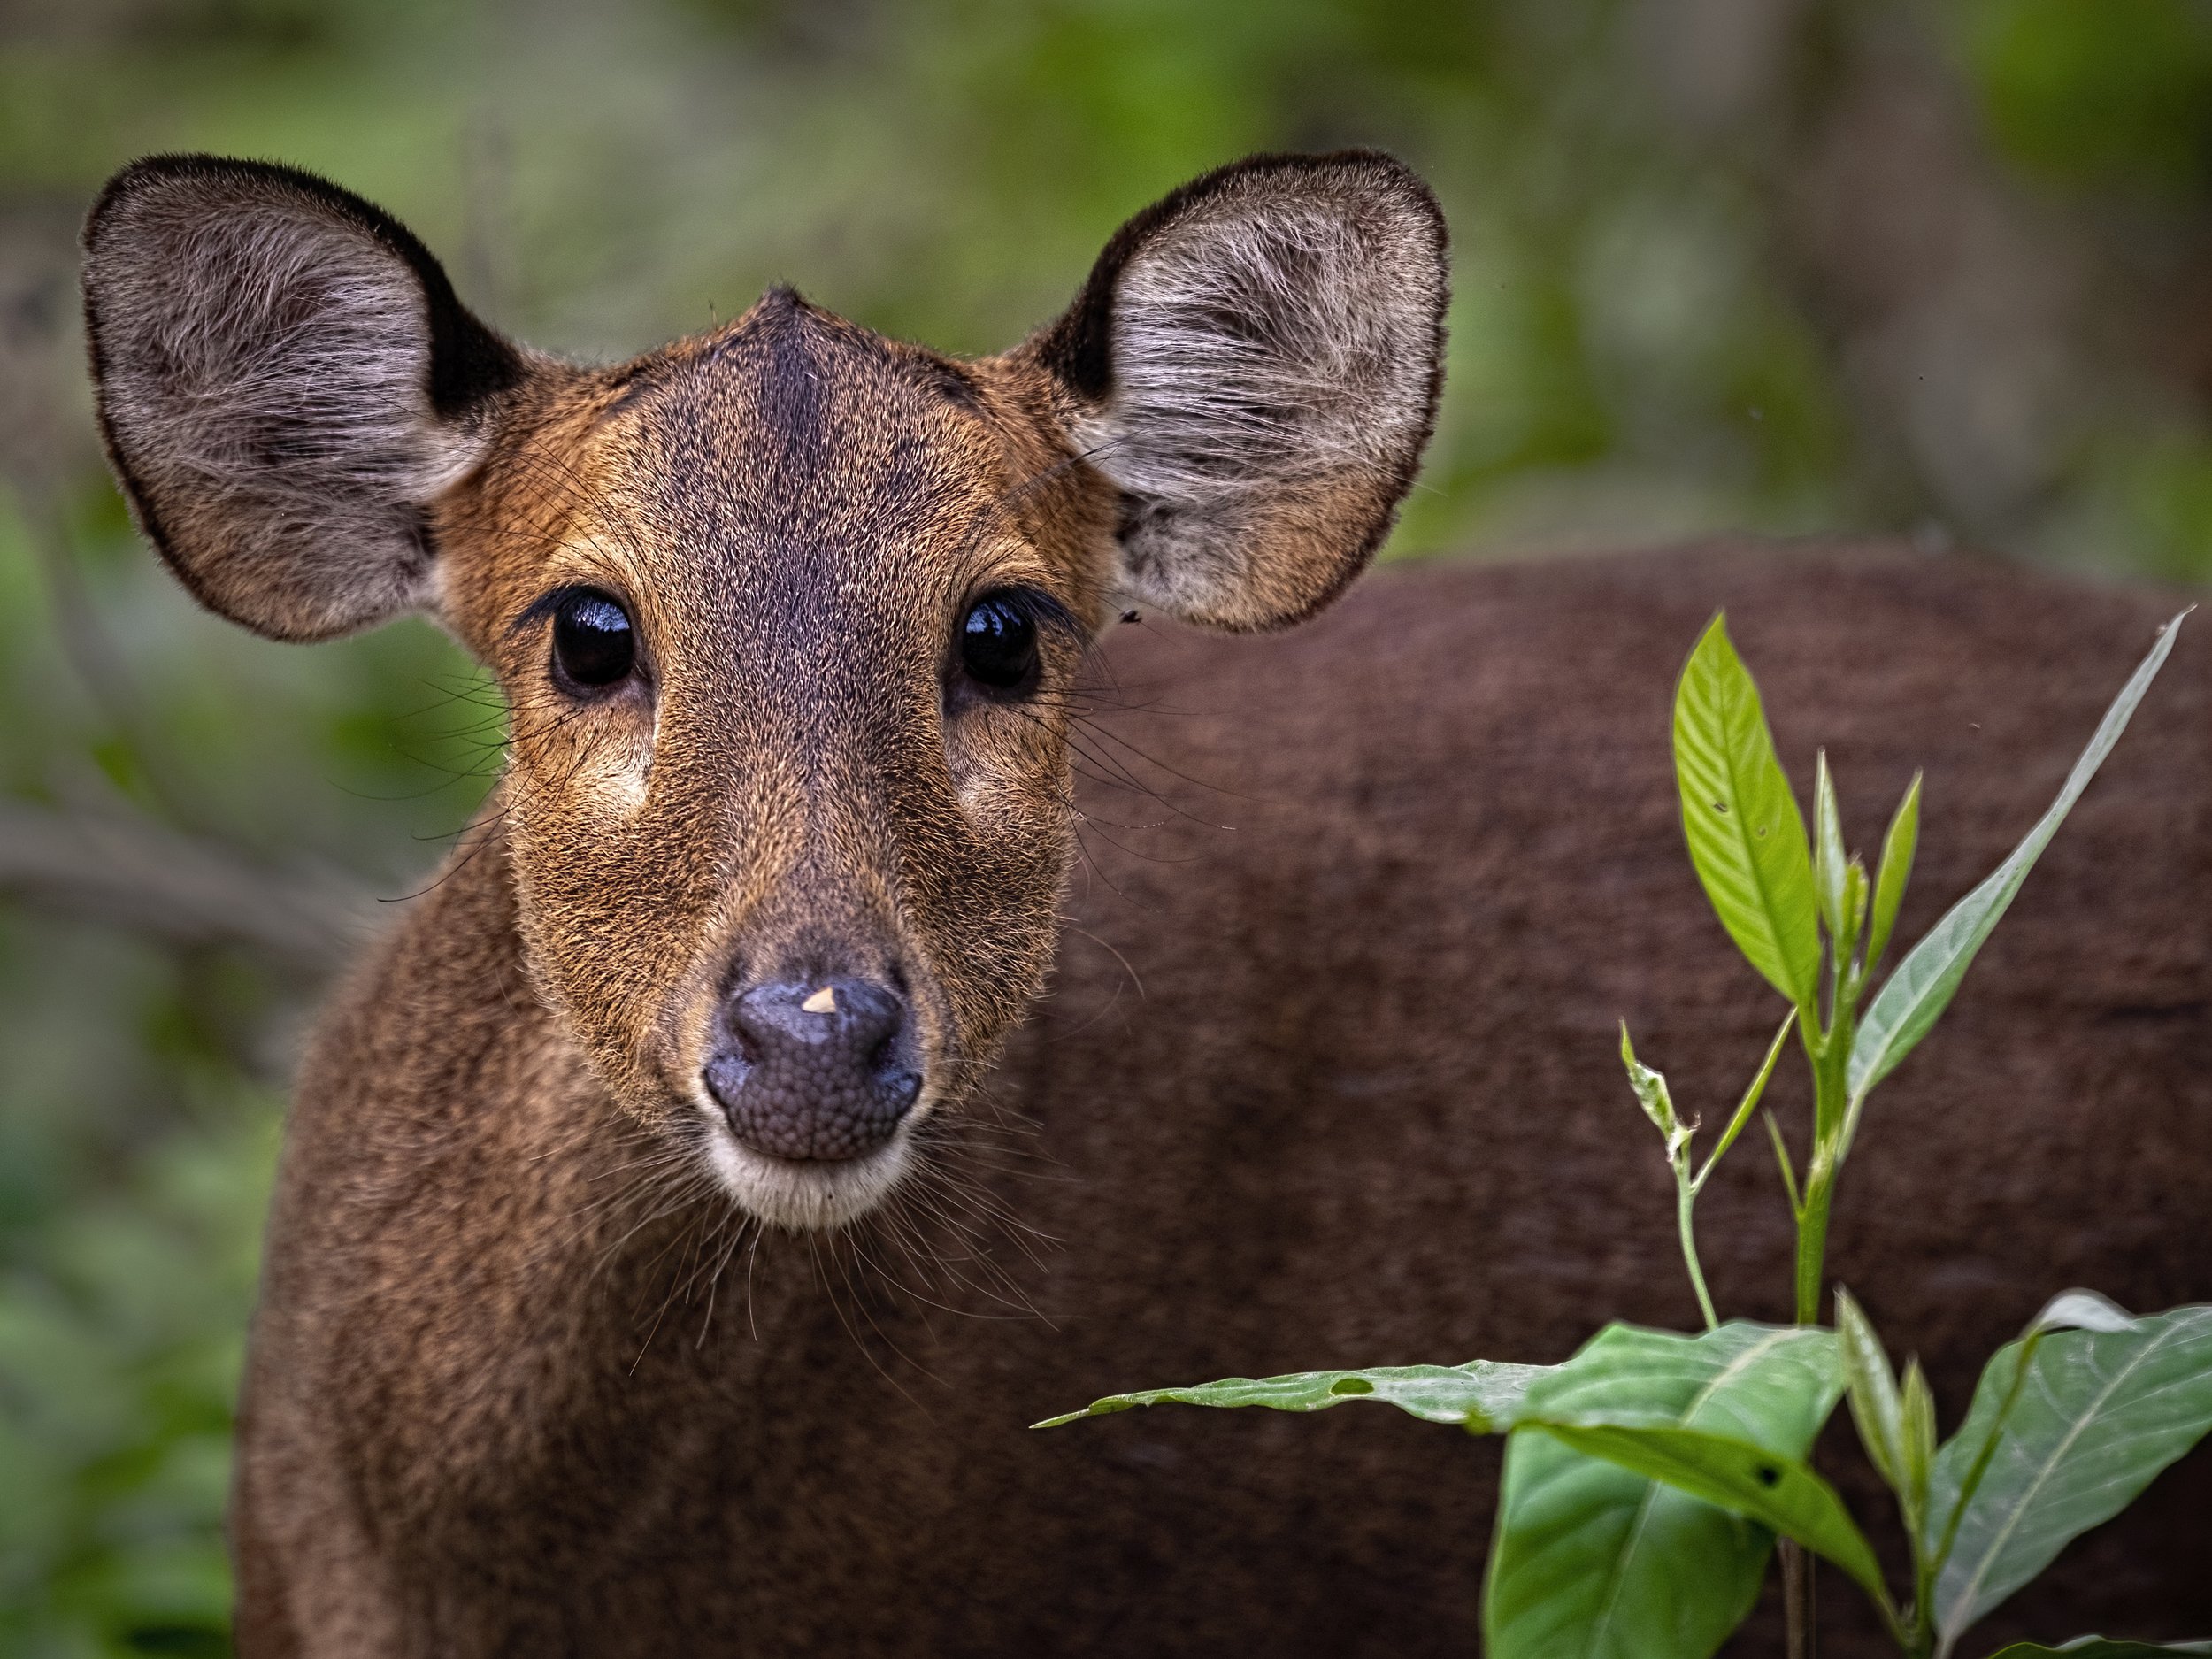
column 790, row 787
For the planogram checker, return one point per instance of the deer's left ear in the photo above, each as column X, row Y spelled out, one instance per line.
column 1255, row 364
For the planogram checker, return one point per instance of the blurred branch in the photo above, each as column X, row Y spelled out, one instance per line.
column 135, row 875
column 98, row 665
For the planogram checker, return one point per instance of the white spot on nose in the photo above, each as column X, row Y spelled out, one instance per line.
column 823, row 1002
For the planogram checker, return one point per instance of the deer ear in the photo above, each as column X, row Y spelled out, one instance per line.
column 1255, row 364
column 286, row 384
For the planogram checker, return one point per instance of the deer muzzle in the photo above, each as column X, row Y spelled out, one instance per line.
column 821, row 1071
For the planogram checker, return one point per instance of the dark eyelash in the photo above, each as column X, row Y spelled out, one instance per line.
column 1043, row 610
column 541, row 609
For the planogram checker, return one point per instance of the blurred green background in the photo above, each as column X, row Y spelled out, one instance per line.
column 1791, row 265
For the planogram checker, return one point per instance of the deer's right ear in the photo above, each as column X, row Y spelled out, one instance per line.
column 286, row 384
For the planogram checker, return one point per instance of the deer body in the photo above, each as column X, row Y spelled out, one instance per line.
column 610, row 1307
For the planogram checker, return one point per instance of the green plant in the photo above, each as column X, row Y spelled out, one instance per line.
column 1647, row 1477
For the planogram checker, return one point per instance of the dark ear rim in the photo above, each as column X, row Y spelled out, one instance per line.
column 1079, row 348
column 469, row 363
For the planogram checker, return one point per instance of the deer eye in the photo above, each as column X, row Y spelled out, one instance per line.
column 998, row 642
column 594, row 645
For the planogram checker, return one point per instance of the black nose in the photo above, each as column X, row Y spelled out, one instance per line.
column 819, row 1071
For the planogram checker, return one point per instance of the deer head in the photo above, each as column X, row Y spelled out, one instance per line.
column 787, row 614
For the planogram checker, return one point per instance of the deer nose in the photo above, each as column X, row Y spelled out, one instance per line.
column 818, row 1070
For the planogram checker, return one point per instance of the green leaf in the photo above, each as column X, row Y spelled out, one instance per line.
column 1913, row 996
column 1777, row 1491
column 1877, row 1407
column 2098, row 1648
column 1829, row 862
column 1782, row 1162
column 2096, row 1414
column 1746, row 837
column 1920, row 1435
column 1594, row 1560
column 1483, row 1395
column 1898, row 845
column 1749, row 1104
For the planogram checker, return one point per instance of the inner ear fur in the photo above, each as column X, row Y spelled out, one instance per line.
column 1255, row 364
column 286, row 383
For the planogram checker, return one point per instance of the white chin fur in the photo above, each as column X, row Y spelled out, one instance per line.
column 804, row 1197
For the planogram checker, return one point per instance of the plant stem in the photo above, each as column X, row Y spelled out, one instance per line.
column 1797, row 1599
column 1686, row 1186
column 1828, row 1051
column 1685, row 1211
column 1812, row 1238
column 1651, row 1090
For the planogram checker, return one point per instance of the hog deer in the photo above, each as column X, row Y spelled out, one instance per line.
column 650, row 1271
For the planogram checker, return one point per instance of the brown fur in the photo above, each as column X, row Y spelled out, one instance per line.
column 1324, row 1077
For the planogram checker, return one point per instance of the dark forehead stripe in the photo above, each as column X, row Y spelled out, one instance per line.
column 780, row 324
column 783, row 313
column 789, row 358
column 796, row 432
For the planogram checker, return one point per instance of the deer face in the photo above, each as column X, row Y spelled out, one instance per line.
column 787, row 615
column 790, row 670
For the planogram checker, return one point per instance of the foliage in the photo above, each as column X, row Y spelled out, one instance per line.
column 1647, row 1477
column 119, row 1349
column 2066, row 1428
column 1588, row 1547
column 2120, row 94
column 1746, row 834
column 1480, row 1392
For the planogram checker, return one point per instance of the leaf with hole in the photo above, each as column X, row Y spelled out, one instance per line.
column 1746, row 837
column 1482, row 1394
column 2096, row 1414
column 1598, row 1562
column 1745, row 1479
